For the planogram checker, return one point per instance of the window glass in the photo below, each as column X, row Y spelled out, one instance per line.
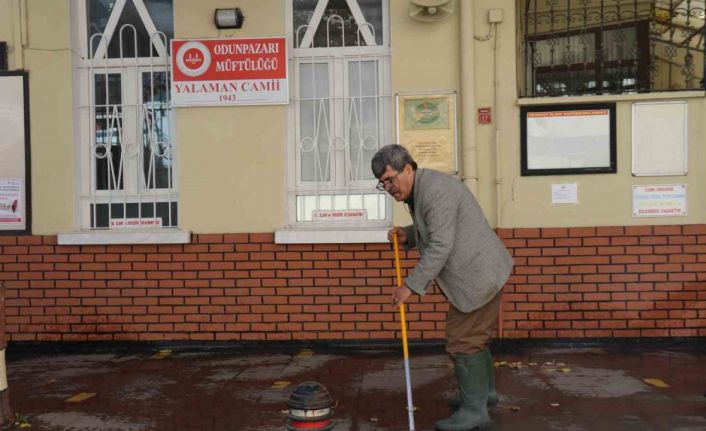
column 99, row 12
column 108, row 132
column 314, row 122
column 363, row 116
column 157, row 158
column 339, row 21
column 102, row 213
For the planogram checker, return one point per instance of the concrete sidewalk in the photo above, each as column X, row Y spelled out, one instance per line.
column 588, row 388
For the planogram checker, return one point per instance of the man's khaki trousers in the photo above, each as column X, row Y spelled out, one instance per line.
column 468, row 333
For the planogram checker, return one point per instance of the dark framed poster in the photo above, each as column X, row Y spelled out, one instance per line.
column 15, row 210
column 568, row 139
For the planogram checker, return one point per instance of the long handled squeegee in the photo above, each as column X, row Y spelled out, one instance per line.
column 410, row 407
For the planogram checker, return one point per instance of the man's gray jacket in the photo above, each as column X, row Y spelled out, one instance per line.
column 457, row 246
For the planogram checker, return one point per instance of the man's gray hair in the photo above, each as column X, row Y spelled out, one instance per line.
column 395, row 156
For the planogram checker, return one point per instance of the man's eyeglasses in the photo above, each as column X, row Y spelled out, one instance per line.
column 383, row 185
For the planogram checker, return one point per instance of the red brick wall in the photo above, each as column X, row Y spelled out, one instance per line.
column 578, row 282
column 638, row 281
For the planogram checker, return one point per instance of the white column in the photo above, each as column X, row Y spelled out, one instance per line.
column 468, row 104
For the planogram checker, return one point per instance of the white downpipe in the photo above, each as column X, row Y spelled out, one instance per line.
column 20, row 33
column 496, row 114
column 468, row 105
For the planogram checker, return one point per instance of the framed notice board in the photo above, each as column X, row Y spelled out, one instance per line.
column 15, row 210
column 426, row 126
column 568, row 139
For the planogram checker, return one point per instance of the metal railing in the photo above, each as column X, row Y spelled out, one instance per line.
column 578, row 47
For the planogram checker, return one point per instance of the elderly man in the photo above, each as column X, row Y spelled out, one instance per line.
column 469, row 263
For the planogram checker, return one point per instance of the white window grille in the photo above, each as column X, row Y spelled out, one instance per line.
column 340, row 111
column 126, row 162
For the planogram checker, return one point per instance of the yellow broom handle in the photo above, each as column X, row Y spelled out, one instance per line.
column 399, row 283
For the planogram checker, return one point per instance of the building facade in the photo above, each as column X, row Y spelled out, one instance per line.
column 152, row 212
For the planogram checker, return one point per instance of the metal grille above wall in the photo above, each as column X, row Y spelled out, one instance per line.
column 576, row 47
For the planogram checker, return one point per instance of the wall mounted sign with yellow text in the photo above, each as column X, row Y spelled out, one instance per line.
column 426, row 126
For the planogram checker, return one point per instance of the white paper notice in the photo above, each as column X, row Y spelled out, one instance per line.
column 11, row 205
column 340, row 215
column 565, row 193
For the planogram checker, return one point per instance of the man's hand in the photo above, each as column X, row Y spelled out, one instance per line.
column 400, row 295
column 401, row 235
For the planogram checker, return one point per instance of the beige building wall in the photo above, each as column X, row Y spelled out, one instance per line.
column 232, row 160
column 7, row 29
column 44, row 27
column 425, row 58
column 606, row 199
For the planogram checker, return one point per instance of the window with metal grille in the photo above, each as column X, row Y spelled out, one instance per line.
column 339, row 115
column 577, row 47
column 127, row 167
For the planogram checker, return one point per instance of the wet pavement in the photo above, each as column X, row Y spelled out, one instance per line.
column 560, row 388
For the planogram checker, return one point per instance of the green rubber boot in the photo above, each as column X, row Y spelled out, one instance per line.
column 473, row 383
column 493, row 397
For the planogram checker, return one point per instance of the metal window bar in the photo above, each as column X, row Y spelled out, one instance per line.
column 140, row 190
column 619, row 46
column 334, row 117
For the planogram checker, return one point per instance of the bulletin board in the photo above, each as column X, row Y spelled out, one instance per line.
column 15, row 212
column 568, row 139
column 659, row 138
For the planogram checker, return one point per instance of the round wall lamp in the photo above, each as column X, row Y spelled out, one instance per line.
column 228, row 18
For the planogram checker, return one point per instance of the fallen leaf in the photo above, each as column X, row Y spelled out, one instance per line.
column 373, row 419
column 514, row 408
column 161, row 354
column 656, row 383
column 414, row 409
column 550, row 369
column 281, row 384
column 532, row 364
column 554, row 404
column 305, row 353
column 80, row 397
column 25, row 425
column 565, row 370
column 19, row 417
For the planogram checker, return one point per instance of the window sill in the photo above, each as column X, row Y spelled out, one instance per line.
column 330, row 236
column 667, row 95
column 123, row 237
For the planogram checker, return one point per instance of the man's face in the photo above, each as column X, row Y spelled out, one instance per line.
column 398, row 184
